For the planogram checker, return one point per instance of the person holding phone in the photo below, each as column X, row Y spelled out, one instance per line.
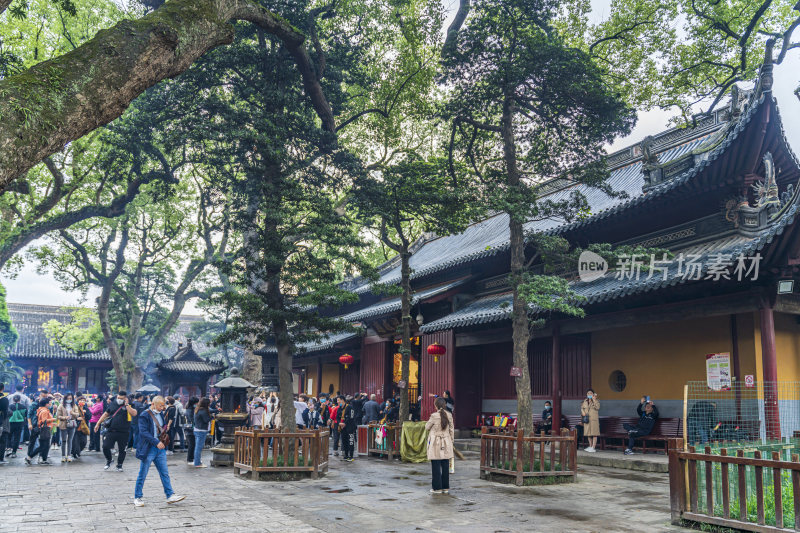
column 648, row 414
column 119, row 413
column 590, row 417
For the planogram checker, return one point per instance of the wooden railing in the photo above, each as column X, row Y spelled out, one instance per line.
column 514, row 454
column 730, row 503
column 390, row 446
column 269, row 450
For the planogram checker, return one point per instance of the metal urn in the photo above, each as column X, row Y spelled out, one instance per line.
column 233, row 414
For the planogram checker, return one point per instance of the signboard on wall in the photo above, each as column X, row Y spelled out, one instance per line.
column 749, row 381
column 516, row 371
column 718, row 371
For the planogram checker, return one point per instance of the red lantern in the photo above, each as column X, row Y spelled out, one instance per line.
column 63, row 373
column 347, row 360
column 436, row 350
column 29, row 373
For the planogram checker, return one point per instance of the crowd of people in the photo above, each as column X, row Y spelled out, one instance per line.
column 157, row 426
column 341, row 413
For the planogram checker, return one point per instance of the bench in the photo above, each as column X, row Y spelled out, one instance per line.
column 614, row 435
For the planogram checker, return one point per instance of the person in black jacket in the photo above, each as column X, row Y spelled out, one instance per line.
column 347, row 426
column 648, row 414
column 171, row 421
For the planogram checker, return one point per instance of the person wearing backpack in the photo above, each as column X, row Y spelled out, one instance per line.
column 19, row 415
column 44, row 429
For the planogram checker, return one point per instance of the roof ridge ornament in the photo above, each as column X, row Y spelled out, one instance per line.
column 767, row 190
column 765, row 78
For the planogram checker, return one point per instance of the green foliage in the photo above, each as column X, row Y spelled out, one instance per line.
column 528, row 109
column 680, row 53
column 8, row 333
column 81, row 334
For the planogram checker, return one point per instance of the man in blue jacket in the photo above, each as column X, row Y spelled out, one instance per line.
column 151, row 450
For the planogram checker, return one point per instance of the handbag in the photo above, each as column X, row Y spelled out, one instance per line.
column 163, row 434
column 585, row 419
column 107, row 421
column 84, row 428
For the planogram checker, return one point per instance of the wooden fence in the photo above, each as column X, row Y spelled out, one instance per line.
column 258, row 451
column 390, row 446
column 513, row 454
column 731, row 504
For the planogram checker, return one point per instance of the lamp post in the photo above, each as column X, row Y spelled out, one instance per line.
column 233, row 400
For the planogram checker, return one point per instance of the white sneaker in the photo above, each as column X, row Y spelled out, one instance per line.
column 590, row 450
column 175, row 498
column 138, row 502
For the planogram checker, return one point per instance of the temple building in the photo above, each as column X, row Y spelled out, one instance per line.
column 185, row 373
column 721, row 197
column 45, row 364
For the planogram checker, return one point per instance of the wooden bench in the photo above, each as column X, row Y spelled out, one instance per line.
column 614, row 434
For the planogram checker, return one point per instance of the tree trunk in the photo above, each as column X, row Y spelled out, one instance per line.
column 60, row 100
column 251, row 366
column 519, row 317
column 405, row 351
column 286, row 394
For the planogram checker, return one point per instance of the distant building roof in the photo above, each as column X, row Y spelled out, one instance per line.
column 29, row 320
column 185, row 359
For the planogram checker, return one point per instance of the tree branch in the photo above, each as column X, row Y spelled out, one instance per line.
column 455, row 26
column 22, row 237
column 93, row 84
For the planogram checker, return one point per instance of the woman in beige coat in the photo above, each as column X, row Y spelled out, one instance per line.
column 69, row 417
column 591, row 408
column 440, row 446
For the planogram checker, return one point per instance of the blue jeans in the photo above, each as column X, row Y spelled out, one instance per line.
column 159, row 457
column 199, row 441
column 135, row 434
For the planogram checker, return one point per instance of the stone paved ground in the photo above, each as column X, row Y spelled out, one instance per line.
column 364, row 496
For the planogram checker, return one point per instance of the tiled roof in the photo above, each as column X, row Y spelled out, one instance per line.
column 33, row 343
column 724, row 251
column 192, row 366
column 325, row 342
column 391, row 306
column 490, row 236
column 185, row 359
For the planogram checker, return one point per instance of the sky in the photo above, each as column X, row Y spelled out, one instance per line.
column 33, row 288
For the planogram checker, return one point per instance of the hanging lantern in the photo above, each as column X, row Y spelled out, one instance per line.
column 29, row 373
column 347, row 360
column 436, row 350
column 63, row 373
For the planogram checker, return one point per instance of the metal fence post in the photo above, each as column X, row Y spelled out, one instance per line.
column 520, row 454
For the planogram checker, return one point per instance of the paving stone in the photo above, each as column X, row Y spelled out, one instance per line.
column 364, row 496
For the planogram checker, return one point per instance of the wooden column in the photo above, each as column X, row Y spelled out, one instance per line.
column 319, row 377
column 555, row 384
column 737, row 369
column 770, row 366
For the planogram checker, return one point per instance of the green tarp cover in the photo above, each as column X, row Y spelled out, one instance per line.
column 414, row 442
